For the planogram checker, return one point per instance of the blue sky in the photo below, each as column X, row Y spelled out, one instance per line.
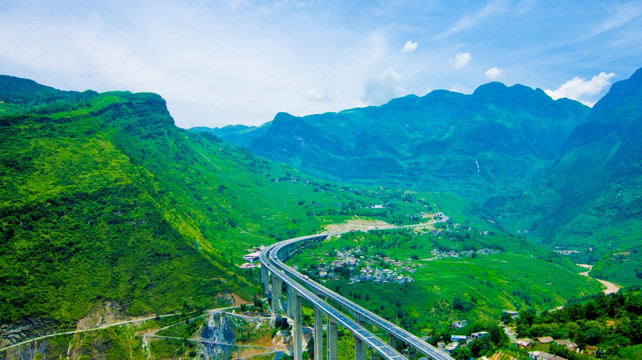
column 242, row 61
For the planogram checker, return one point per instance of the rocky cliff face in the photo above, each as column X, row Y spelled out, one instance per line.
column 218, row 332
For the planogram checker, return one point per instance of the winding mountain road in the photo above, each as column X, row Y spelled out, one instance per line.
column 611, row 288
column 272, row 257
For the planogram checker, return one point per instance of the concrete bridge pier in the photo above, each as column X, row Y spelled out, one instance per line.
column 277, row 284
column 392, row 340
column 333, row 346
column 318, row 334
column 265, row 277
column 360, row 348
column 297, row 327
column 289, row 306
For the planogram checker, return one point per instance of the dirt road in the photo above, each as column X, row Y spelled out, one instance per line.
column 611, row 288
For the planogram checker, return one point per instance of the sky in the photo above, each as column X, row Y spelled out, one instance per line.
column 226, row 62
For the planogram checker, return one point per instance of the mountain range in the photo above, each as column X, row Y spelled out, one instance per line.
column 104, row 202
column 496, row 140
column 555, row 171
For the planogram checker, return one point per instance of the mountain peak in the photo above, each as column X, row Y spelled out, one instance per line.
column 495, row 90
column 19, row 85
column 625, row 92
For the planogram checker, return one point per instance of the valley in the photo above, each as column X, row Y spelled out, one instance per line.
column 611, row 288
column 110, row 214
column 442, row 276
column 555, row 172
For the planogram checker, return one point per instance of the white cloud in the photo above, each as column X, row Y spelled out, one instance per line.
column 391, row 74
column 582, row 90
column 493, row 73
column 619, row 16
column 382, row 87
column 409, row 47
column 314, row 95
column 467, row 22
column 191, row 56
column 460, row 60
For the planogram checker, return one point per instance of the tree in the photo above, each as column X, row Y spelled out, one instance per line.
column 481, row 347
column 507, row 318
column 462, row 305
column 526, row 317
column 258, row 304
column 498, row 336
column 462, row 353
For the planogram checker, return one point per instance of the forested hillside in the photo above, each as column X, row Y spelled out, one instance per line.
column 556, row 172
column 491, row 142
column 104, row 201
column 590, row 200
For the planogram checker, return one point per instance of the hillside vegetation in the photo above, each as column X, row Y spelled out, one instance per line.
column 612, row 324
column 458, row 272
column 590, row 200
column 557, row 172
column 496, row 140
column 104, row 202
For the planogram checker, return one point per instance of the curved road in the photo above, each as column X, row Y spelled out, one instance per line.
column 270, row 256
column 374, row 342
column 611, row 288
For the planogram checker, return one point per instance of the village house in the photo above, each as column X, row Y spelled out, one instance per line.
column 590, row 350
column 460, row 324
column 479, row 335
column 524, row 343
column 541, row 355
column 545, row 340
column 251, row 257
column 458, row 338
column 568, row 343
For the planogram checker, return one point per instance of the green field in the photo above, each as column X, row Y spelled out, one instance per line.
column 447, row 289
column 104, row 200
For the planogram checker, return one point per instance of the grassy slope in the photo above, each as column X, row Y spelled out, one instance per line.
column 83, row 222
column 103, row 199
column 488, row 143
column 589, row 200
column 523, row 276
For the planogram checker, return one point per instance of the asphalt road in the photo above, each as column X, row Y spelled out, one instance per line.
column 270, row 256
column 381, row 347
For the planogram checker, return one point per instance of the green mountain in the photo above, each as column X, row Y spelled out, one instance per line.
column 104, row 202
column 239, row 135
column 557, row 172
column 107, row 207
column 87, row 216
column 496, row 140
column 591, row 199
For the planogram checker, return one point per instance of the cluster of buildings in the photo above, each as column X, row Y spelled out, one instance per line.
column 461, row 340
column 542, row 355
column 364, row 270
column 379, row 276
column 252, row 259
column 438, row 254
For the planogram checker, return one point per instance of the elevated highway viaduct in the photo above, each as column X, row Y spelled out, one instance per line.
column 275, row 273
